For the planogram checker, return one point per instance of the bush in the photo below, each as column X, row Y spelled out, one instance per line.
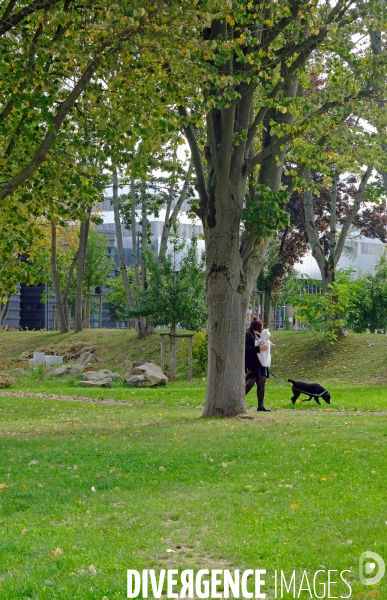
column 200, row 350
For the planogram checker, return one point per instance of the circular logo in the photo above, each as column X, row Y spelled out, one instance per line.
column 369, row 567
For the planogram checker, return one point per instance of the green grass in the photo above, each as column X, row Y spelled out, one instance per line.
column 214, row 491
column 297, row 488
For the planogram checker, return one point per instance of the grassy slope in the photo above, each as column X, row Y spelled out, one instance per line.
column 359, row 359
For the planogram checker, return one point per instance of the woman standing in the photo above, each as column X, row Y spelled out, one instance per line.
column 255, row 372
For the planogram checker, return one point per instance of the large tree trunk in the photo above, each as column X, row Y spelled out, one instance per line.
column 83, row 236
column 227, row 298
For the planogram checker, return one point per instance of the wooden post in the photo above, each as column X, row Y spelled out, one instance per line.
column 190, row 358
column 172, row 357
column 162, row 352
column 100, row 313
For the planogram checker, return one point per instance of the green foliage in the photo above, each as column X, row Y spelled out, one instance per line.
column 175, row 293
column 98, row 265
column 264, row 211
column 321, row 312
column 115, row 297
column 368, row 306
column 200, row 350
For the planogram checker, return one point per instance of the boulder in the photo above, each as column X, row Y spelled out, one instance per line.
column 101, row 383
column 6, row 380
column 76, row 369
column 145, row 375
column 89, row 349
column 86, row 358
column 58, row 371
column 102, row 374
column 25, row 355
column 143, row 361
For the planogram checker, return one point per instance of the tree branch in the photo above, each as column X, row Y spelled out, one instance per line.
column 196, row 158
column 353, row 212
column 9, row 22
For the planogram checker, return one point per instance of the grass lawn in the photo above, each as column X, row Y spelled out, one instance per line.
column 301, row 489
column 135, row 479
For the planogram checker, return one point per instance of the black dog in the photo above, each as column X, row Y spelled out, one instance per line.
column 313, row 390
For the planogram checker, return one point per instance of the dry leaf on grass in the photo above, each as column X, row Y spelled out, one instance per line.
column 92, row 570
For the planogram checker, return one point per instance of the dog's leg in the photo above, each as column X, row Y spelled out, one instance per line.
column 295, row 396
column 317, row 400
column 307, row 399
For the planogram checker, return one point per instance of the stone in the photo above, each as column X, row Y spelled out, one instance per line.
column 143, row 361
column 24, row 355
column 76, row 369
column 6, row 380
column 146, row 375
column 89, row 349
column 86, row 358
column 39, row 358
column 101, row 383
column 58, row 371
column 53, row 360
column 102, row 374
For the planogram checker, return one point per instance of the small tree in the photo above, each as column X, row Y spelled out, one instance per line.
column 175, row 293
column 368, row 308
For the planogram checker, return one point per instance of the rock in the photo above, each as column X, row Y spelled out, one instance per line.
column 76, row 369
column 6, row 380
column 86, row 358
column 143, row 361
column 101, row 383
column 102, row 374
column 39, row 357
column 25, row 355
column 146, row 375
column 59, row 371
column 53, row 360
column 89, row 349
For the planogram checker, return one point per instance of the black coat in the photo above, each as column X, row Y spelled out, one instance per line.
column 252, row 364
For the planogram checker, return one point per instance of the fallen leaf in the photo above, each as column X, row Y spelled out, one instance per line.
column 224, row 464
column 169, row 550
column 92, row 570
column 163, row 469
column 294, row 506
column 93, row 489
column 24, row 531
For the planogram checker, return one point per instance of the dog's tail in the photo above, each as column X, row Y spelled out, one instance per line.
column 291, row 380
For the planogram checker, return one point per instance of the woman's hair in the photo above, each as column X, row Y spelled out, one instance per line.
column 254, row 317
column 256, row 325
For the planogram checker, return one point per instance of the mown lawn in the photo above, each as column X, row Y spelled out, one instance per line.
column 114, row 487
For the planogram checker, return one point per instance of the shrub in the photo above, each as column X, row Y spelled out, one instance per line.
column 200, row 350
